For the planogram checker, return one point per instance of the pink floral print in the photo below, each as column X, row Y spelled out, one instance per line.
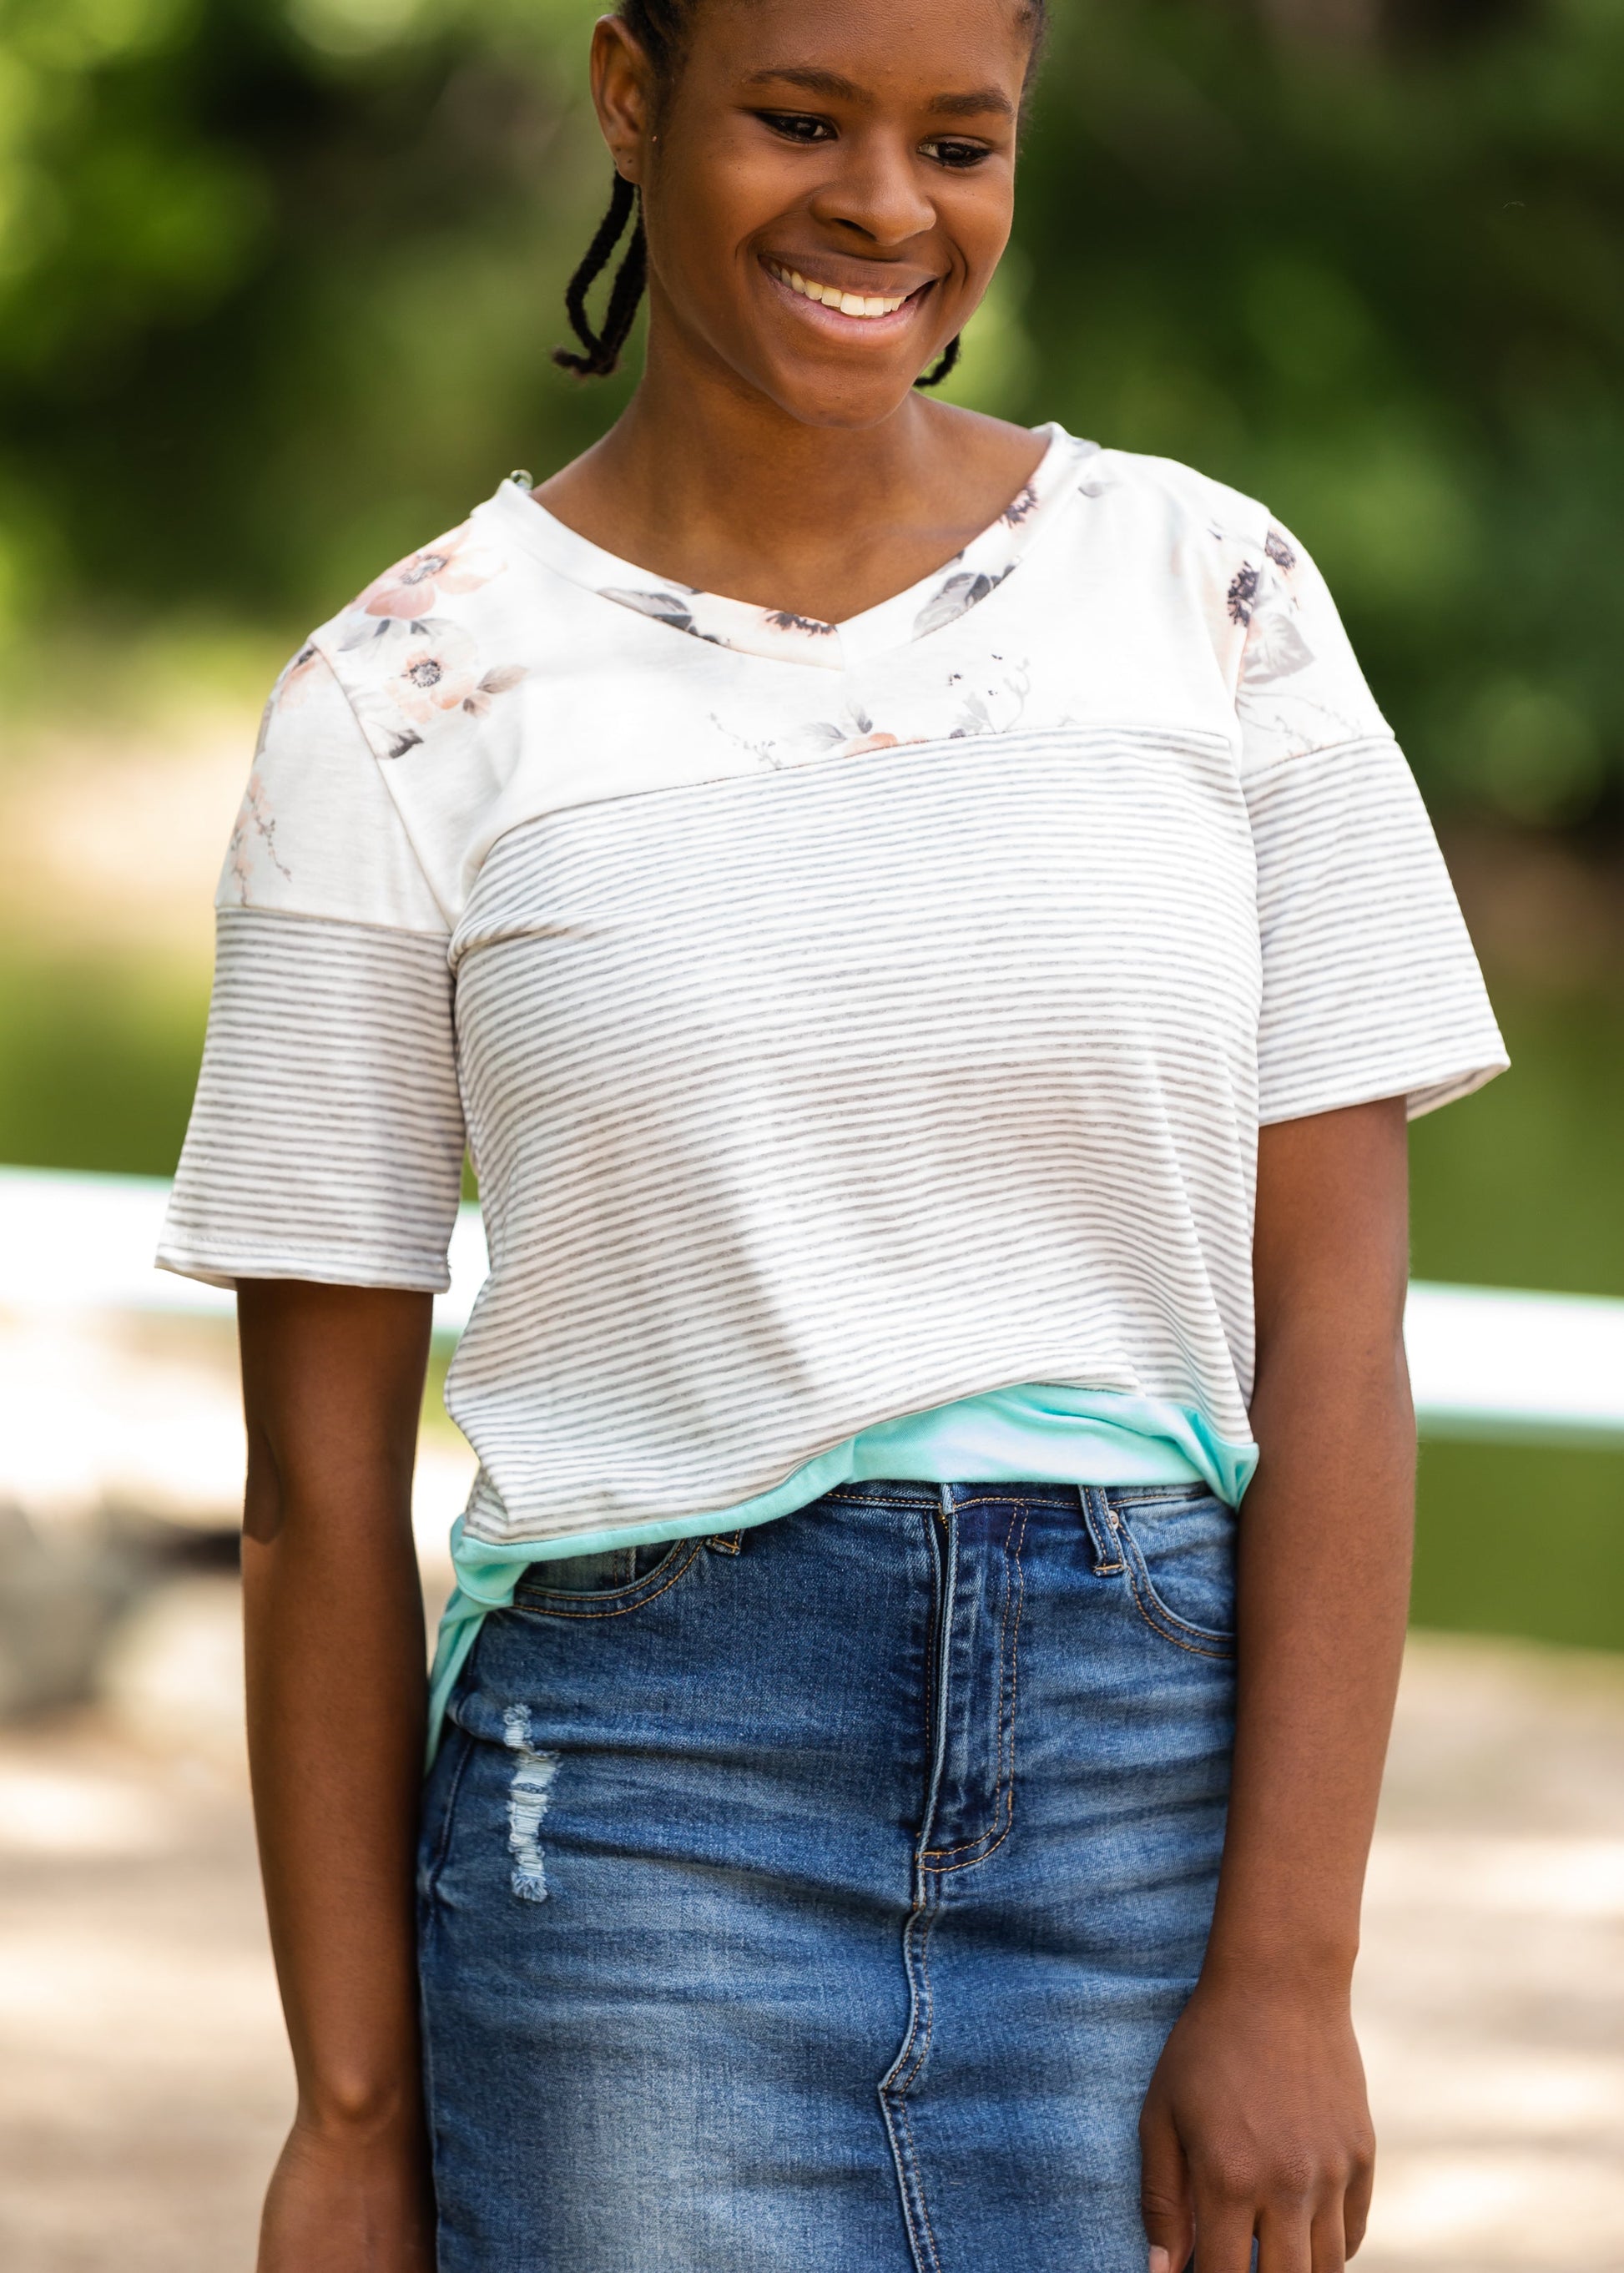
column 437, row 668
column 1260, row 600
column 413, row 587
column 255, row 819
column 296, row 677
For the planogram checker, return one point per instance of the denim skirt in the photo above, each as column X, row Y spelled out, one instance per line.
column 820, row 1897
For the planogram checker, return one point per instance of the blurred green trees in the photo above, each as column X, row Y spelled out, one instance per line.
column 1381, row 285
column 278, row 280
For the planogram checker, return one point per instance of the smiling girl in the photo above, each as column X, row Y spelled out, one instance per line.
column 931, row 946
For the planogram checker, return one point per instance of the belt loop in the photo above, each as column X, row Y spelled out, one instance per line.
column 1101, row 1524
column 725, row 1543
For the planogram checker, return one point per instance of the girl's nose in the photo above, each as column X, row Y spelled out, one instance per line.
column 876, row 192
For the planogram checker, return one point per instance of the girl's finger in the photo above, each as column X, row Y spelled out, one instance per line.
column 1164, row 2195
column 1285, row 2238
column 1330, row 2253
column 1224, row 2225
column 1355, row 2204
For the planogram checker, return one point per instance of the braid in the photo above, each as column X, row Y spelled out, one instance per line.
column 934, row 377
column 660, row 29
column 624, row 294
column 602, row 348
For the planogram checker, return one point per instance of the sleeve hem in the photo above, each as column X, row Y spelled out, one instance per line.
column 1423, row 1092
column 225, row 1269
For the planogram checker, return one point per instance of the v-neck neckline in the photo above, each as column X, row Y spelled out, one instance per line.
column 927, row 605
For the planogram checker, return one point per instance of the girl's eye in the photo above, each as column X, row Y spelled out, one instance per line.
column 957, row 156
column 797, row 126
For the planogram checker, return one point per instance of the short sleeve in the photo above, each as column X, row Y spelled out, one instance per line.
column 1371, row 988
column 325, row 1139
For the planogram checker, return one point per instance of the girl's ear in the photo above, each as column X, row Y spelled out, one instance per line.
column 623, row 96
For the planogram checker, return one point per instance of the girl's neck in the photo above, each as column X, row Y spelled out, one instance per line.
column 705, row 482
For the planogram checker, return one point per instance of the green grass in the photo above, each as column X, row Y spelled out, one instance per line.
column 1521, row 1185
column 97, row 1063
column 1515, row 1539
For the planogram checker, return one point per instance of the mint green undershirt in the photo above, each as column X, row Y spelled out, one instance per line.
column 1039, row 1433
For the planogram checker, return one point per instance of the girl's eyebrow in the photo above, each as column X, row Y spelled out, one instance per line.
column 977, row 103
column 814, row 81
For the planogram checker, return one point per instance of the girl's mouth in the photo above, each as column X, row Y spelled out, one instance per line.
column 867, row 308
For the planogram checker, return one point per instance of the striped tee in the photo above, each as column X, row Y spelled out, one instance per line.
column 845, row 1020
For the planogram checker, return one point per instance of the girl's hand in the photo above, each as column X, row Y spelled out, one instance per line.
column 349, row 2202
column 1256, row 2122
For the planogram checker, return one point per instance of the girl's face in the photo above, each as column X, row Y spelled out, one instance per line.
column 828, row 189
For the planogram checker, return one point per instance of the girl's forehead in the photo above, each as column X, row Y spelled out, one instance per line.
column 897, row 40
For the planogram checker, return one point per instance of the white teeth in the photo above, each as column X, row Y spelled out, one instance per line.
column 830, row 295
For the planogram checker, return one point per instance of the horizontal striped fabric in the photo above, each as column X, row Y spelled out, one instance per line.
column 1370, row 983
column 846, row 1019
column 785, row 1079
column 325, row 1139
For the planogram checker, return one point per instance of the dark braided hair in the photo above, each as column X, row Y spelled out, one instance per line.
column 938, row 370
column 602, row 350
column 660, row 28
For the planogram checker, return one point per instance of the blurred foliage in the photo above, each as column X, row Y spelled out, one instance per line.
column 279, row 278
column 1382, row 285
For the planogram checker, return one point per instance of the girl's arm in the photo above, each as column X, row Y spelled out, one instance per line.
column 333, row 1385
column 1256, row 2117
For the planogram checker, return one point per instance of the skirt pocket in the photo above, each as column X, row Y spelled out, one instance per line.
column 610, row 1584
column 1178, row 1555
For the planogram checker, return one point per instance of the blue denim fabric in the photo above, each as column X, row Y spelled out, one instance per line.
column 820, row 1896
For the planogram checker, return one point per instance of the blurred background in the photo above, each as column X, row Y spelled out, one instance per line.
column 279, row 280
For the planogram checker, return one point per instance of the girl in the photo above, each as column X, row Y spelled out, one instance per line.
column 931, row 946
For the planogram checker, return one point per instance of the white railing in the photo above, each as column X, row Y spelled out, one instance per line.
column 75, row 1242
column 1486, row 1362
